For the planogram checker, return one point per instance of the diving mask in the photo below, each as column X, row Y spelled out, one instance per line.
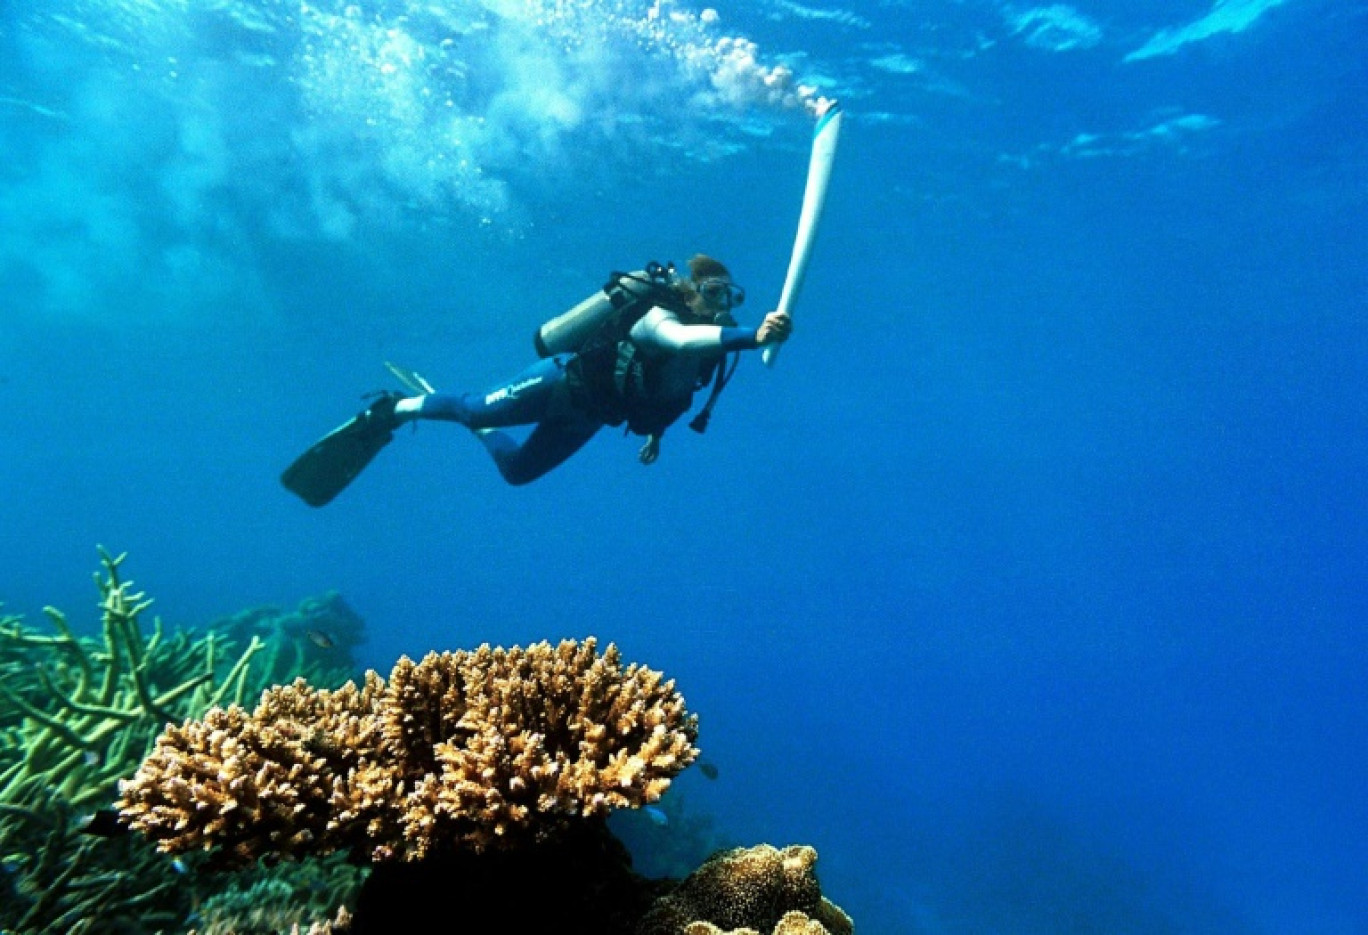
column 721, row 293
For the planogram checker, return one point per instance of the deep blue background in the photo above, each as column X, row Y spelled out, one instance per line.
column 1029, row 587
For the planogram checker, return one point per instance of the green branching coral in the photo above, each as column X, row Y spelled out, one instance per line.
column 282, row 898
column 78, row 713
column 60, row 880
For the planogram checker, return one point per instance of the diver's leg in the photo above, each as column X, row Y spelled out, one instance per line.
column 549, row 445
column 521, row 401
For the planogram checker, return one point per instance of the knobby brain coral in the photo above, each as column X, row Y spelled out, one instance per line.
column 490, row 748
column 761, row 890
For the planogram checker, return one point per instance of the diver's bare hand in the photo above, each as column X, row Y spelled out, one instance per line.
column 649, row 451
column 775, row 329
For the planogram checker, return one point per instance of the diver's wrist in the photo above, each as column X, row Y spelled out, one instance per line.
column 740, row 339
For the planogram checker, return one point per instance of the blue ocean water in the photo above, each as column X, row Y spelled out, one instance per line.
column 1029, row 586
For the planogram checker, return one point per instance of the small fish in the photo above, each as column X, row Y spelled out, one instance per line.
column 91, row 758
column 320, row 639
column 180, row 866
column 657, row 816
column 708, row 769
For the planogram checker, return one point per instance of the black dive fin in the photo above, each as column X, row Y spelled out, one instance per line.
column 335, row 460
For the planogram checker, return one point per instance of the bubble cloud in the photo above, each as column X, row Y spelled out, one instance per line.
column 197, row 136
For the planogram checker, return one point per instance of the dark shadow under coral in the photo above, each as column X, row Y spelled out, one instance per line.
column 581, row 881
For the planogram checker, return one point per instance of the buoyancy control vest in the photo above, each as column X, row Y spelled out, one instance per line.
column 608, row 376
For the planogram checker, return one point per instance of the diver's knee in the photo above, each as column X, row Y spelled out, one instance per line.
column 518, row 475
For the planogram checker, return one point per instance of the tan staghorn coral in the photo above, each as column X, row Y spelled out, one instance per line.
column 523, row 735
column 259, row 783
column 472, row 750
column 749, row 890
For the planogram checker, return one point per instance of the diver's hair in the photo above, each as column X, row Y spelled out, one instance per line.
column 702, row 266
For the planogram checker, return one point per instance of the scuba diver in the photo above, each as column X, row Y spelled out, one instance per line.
column 635, row 352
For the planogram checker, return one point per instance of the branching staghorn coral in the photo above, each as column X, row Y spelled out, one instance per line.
column 288, row 897
column 77, row 714
column 57, row 879
column 479, row 750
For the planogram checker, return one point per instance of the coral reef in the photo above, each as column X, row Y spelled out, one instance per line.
column 57, row 879
column 78, row 713
column 749, row 890
column 464, row 779
column 583, row 882
column 289, row 896
column 792, row 923
column 490, row 749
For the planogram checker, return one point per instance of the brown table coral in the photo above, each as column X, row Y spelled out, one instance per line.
column 464, row 750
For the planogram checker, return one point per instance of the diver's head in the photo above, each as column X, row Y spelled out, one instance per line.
column 710, row 290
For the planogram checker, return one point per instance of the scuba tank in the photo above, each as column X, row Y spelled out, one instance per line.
column 567, row 332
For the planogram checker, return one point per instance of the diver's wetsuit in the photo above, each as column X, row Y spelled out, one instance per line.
column 683, row 354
